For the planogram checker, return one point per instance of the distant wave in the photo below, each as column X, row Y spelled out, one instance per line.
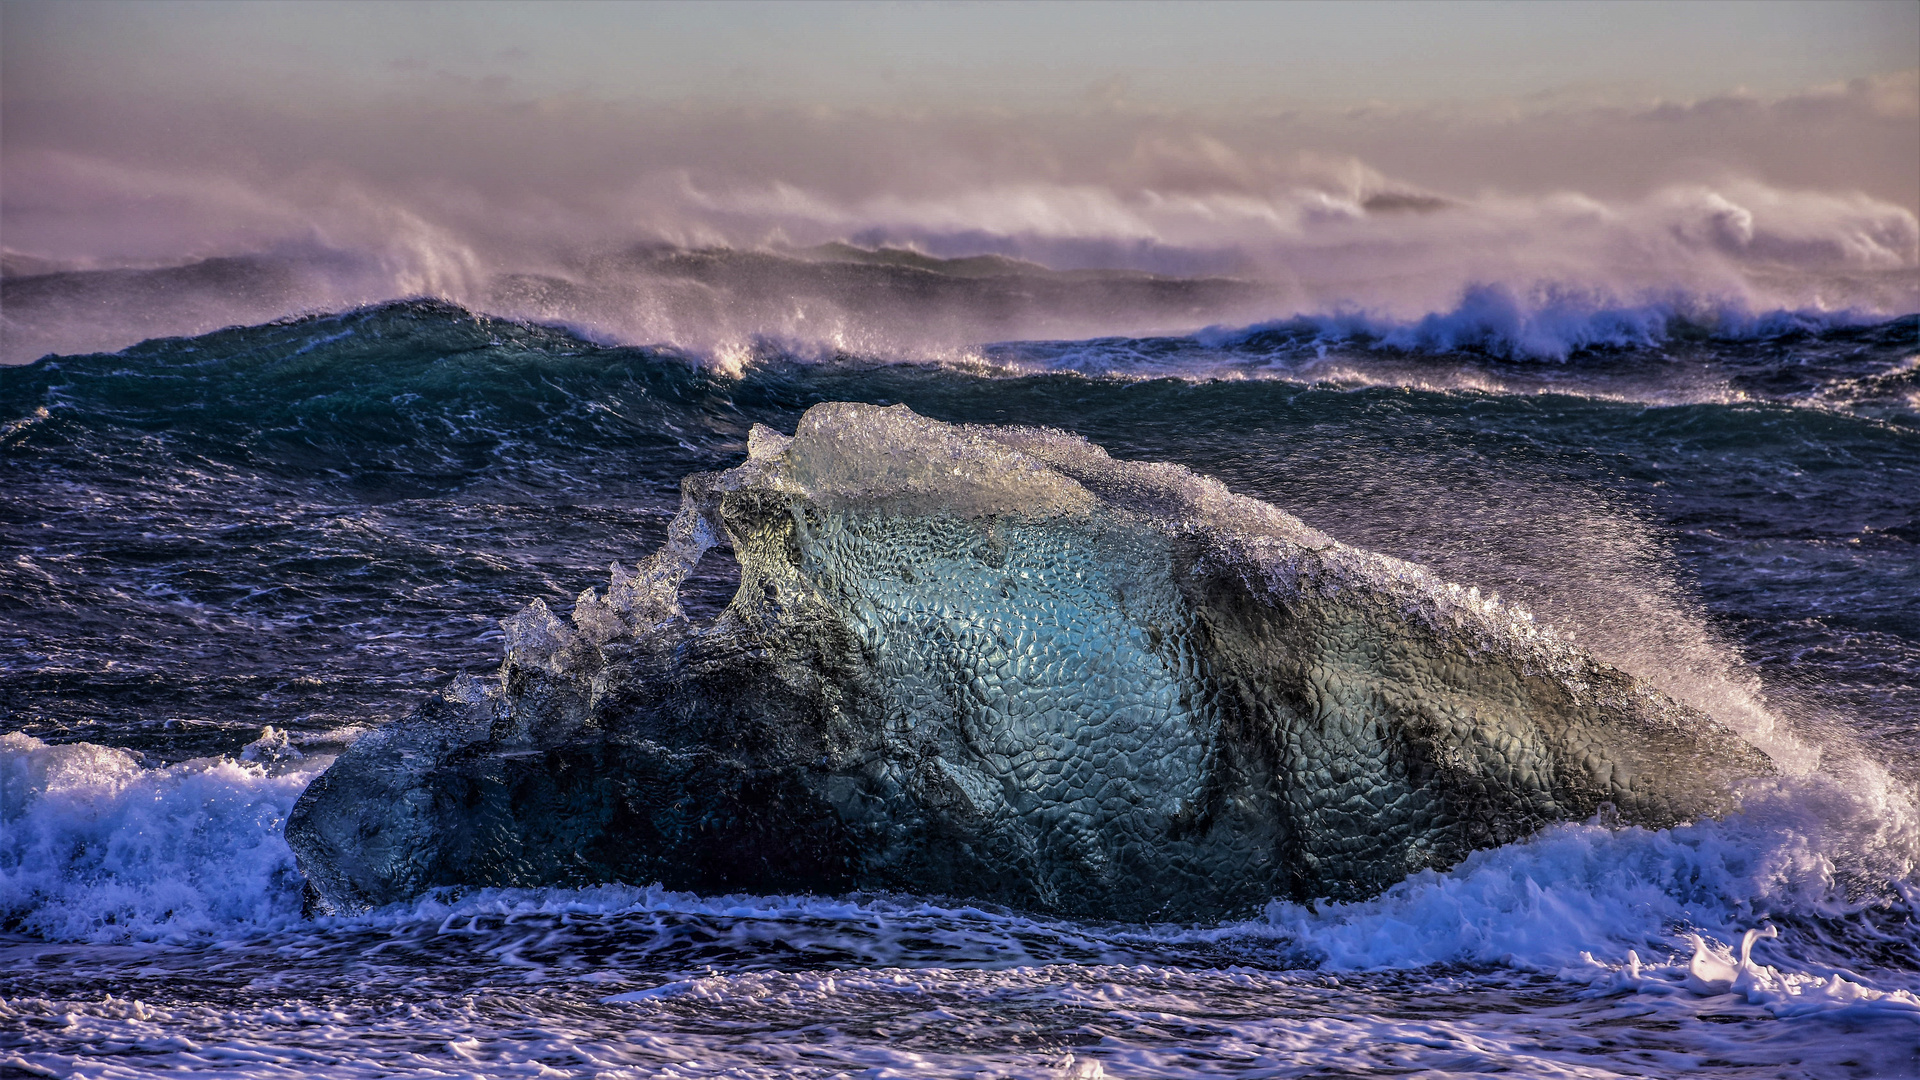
column 1497, row 340
column 898, row 304
column 932, row 279
column 1552, row 324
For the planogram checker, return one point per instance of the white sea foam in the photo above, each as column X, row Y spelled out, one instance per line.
column 95, row 846
column 1632, row 910
column 1547, row 323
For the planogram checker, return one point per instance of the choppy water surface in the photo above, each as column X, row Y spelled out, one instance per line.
column 311, row 525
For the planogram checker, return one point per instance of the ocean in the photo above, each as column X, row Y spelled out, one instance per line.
column 225, row 558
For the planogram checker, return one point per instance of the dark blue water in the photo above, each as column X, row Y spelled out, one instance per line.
column 311, row 525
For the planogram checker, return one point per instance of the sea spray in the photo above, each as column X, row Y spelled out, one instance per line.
column 98, row 847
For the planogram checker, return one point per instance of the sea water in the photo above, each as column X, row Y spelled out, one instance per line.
column 225, row 558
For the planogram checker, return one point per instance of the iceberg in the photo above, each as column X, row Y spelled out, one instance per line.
column 996, row 663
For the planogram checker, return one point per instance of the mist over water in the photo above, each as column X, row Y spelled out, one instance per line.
column 711, row 227
column 940, row 278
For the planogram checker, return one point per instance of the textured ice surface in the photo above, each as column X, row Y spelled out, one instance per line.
column 997, row 663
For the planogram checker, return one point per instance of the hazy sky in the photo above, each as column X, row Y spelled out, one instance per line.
column 1181, row 54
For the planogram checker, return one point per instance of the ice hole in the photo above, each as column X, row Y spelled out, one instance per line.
column 709, row 588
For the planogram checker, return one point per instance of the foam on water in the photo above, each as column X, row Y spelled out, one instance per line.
column 97, row 847
column 1547, row 323
column 1602, row 905
column 1493, row 339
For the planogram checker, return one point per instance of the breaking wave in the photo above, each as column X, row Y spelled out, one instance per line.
column 725, row 272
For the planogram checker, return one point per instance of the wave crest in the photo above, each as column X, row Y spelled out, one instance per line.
column 714, row 268
column 1543, row 323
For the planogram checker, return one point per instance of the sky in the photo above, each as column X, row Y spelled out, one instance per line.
column 878, row 53
column 1382, row 154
